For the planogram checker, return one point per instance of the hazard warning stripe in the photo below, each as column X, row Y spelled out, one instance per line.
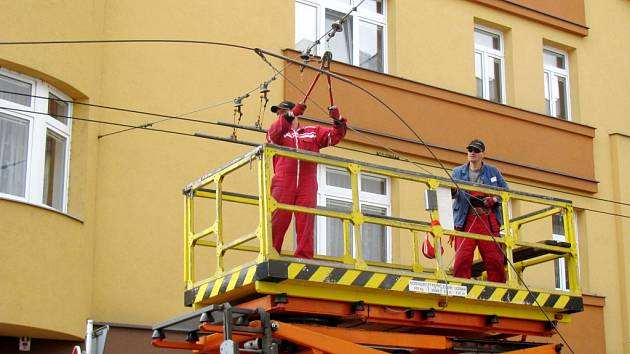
column 278, row 271
column 221, row 285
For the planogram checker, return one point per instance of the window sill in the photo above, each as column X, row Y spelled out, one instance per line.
column 39, row 206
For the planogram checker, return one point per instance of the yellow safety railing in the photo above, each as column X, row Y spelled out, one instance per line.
column 212, row 186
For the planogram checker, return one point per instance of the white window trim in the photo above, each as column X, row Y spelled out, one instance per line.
column 551, row 70
column 38, row 125
column 487, row 52
column 343, row 194
column 357, row 17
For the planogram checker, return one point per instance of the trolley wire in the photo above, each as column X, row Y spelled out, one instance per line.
column 459, row 190
column 126, row 110
column 395, row 155
column 129, row 126
column 326, row 112
column 106, row 41
column 400, row 118
column 165, row 119
column 98, row 121
column 232, row 45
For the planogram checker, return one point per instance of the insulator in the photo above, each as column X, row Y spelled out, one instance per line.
column 264, row 87
column 306, row 54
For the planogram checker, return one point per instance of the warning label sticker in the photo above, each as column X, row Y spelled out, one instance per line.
column 428, row 287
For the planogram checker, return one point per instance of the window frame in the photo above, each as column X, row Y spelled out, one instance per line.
column 356, row 17
column 39, row 122
column 487, row 53
column 551, row 72
column 326, row 192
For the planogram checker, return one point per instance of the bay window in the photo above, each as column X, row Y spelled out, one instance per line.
column 34, row 141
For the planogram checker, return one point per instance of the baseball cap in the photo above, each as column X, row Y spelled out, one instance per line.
column 282, row 105
column 477, row 144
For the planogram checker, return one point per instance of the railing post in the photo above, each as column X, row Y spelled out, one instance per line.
column 438, row 232
column 416, row 266
column 509, row 238
column 188, row 248
column 262, row 231
column 357, row 217
column 219, row 224
column 267, row 250
column 571, row 259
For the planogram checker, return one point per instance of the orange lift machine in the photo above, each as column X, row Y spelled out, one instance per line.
column 249, row 298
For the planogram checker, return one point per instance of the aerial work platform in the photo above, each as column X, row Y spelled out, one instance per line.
column 407, row 294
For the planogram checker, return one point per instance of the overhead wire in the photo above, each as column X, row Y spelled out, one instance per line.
column 354, row 85
column 395, row 156
column 165, row 119
column 326, row 112
column 335, row 27
column 126, row 110
column 106, row 41
column 459, row 190
column 97, row 121
column 181, row 41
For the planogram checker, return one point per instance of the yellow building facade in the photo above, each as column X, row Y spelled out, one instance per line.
column 91, row 209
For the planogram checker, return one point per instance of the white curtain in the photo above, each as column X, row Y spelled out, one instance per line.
column 334, row 228
column 13, row 155
column 373, row 237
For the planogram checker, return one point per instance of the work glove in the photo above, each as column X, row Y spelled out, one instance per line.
column 489, row 202
column 333, row 112
column 299, row 109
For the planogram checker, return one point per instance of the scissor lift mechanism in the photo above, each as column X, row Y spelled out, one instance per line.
column 279, row 324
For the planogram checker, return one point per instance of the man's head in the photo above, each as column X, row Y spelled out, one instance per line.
column 282, row 107
column 476, row 151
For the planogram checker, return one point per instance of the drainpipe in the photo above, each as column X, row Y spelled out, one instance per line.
column 89, row 336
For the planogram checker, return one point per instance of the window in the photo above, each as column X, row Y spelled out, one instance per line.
column 361, row 42
column 489, row 64
column 34, row 147
column 335, row 192
column 558, row 234
column 556, row 76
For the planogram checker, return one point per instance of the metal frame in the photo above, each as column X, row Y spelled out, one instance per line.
column 258, row 326
column 262, row 157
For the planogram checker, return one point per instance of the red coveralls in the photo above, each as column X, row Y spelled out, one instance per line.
column 295, row 181
column 479, row 220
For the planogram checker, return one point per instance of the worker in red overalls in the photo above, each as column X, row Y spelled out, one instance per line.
column 295, row 181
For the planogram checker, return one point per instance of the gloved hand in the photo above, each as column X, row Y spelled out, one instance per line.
column 489, row 202
column 333, row 112
column 299, row 109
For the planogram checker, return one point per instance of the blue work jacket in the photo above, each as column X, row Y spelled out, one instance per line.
column 489, row 175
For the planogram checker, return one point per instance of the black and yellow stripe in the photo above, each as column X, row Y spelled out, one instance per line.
column 278, row 271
